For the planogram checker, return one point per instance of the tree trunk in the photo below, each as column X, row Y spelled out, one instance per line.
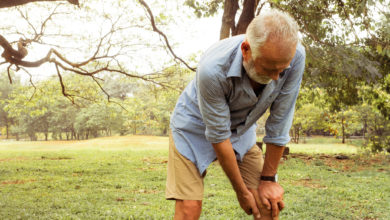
column 364, row 128
column 7, row 129
column 247, row 15
column 228, row 18
column 46, row 134
column 343, row 129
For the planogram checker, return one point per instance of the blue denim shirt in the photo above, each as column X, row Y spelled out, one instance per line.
column 220, row 104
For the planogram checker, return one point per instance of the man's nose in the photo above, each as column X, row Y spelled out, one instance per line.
column 274, row 75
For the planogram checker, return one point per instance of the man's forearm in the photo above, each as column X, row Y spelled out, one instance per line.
column 227, row 159
column 272, row 158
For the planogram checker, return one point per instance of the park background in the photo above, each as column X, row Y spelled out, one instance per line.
column 88, row 89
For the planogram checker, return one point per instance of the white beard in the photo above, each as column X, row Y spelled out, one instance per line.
column 251, row 71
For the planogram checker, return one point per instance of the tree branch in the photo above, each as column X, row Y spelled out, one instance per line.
column 63, row 86
column 98, row 62
column 155, row 29
column 11, row 3
column 31, row 82
column 9, row 74
column 9, row 52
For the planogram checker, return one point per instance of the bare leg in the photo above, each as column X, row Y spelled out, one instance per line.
column 188, row 209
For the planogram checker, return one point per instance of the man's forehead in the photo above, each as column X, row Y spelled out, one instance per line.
column 278, row 50
column 270, row 63
column 275, row 56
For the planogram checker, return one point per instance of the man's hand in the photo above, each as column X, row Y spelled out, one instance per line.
column 227, row 160
column 248, row 204
column 271, row 196
column 271, row 193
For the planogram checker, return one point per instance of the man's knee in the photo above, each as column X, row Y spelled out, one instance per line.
column 188, row 209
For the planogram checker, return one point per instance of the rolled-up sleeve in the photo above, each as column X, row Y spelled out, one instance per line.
column 213, row 105
column 282, row 109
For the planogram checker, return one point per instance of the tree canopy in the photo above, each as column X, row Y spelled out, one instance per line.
column 346, row 83
column 52, row 38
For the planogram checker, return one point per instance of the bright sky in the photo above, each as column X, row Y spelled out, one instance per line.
column 188, row 35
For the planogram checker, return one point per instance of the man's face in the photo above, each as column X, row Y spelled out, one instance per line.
column 253, row 74
column 274, row 58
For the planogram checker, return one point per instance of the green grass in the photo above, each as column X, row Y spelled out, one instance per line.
column 313, row 148
column 124, row 178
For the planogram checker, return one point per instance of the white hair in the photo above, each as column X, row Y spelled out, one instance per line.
column 272, row 24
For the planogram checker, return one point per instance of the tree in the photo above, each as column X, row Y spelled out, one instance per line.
column 345, row 123
column 62, row 120
column 36, row 109
column 347, row 44
column 5, row 90
column 231, row 8
column 150, row 106
column 330, row 35
column 307, row 119
column 88, row 54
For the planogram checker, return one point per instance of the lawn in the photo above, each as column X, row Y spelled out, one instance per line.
column 124, row 178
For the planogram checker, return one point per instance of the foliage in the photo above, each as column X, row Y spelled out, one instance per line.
column 204, row 8
column 151, row 106
column 363, row 119
column 135, row 107
column 379, row 96
column 307, row 119
column 375, row 114
column 345, row 123
column 347, row 68
column 99, row 38
column 5, row 90
column 347, row 48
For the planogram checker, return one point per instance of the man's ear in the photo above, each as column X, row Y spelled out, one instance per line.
column 246, row 50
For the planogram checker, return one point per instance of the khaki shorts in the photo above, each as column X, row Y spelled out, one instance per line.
column 185, row 183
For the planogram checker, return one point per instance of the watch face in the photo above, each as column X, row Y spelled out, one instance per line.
column 276, row 177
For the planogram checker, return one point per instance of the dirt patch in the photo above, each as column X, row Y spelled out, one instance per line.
column 155, row 160
column 14, row 159
column 41, row 158
column 348, row 163
column 12, row 182
column 310, row 183
column 144, row 191
column 56, row 158
column 146, row 168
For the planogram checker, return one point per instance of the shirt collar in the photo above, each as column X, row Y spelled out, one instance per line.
column 236, row 66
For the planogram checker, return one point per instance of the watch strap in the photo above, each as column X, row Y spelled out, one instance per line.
column 269, row 178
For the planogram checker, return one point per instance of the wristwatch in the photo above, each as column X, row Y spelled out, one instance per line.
column 270, row 178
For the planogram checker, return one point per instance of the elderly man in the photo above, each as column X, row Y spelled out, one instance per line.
column 237, row 80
